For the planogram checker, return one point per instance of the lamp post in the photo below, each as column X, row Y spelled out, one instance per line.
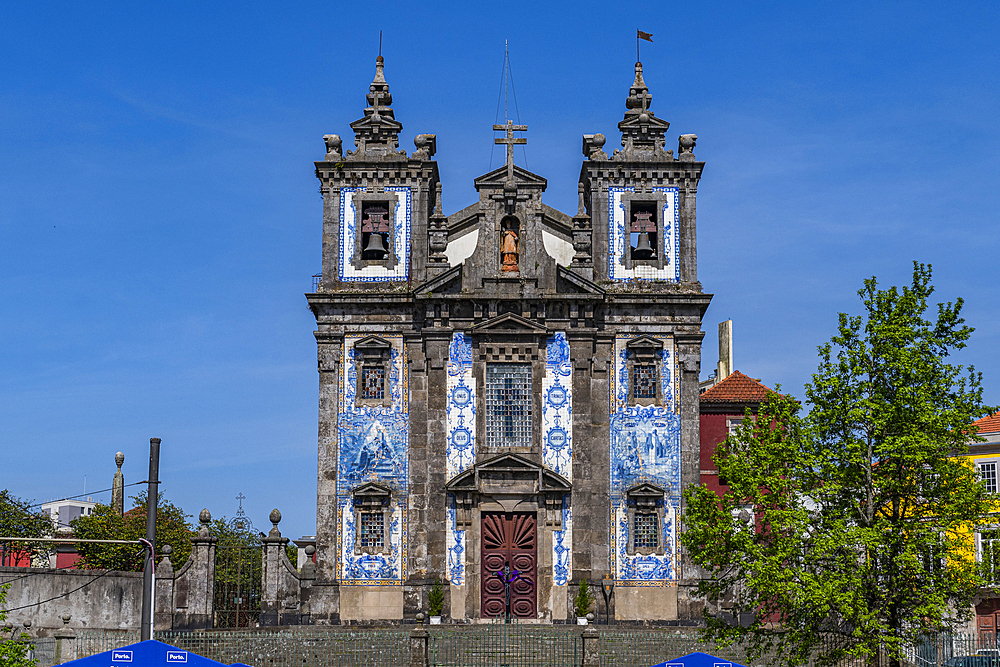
column 607, row 588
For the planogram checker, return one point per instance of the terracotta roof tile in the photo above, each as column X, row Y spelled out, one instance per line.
column 736, row 388
column 989, row 424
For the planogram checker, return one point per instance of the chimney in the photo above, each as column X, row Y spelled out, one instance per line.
column 725, row 367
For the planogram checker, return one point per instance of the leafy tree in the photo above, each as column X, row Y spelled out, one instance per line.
column 862, row 509
column 14, row 652
column 104, row 523
column 18, row 519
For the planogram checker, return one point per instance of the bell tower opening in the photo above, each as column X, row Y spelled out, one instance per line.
column 642, row 236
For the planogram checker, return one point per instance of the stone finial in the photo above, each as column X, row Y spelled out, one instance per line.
column 686, row 144
column 205, row 517
column 310, row 550
column 426, row 146
column 333, row 147
column 275, row 518
column 377, row 134
column 642, row 132
column 118, row 487
column 593, row 145
column 65, row 619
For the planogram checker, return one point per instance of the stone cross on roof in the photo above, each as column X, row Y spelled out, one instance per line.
column 510, row 140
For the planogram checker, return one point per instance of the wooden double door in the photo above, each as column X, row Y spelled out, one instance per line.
column 509, row 540
column 987, row 620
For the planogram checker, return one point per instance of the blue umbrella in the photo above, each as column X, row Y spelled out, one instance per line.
column 699, row 660
column 149, row 653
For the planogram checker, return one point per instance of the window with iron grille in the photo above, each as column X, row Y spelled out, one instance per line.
column 645, row 530
column 988, row 473
column 508, row 405
column 373, row 382
column 644, row 377
column 371, row 530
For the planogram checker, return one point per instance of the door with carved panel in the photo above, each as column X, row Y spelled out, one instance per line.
column 987, row 618
column 509, row 539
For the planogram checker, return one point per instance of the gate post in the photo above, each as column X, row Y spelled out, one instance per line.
column 591, row 651
column 271, row 593
column 194, row 585
column 419, row 654
column 65, row 642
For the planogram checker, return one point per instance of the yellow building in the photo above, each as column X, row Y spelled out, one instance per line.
column 986, row 458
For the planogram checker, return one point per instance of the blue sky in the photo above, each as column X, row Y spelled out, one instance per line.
column 160, row 220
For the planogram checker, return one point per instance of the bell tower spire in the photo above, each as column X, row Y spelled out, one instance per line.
column 376, row 135
column 642, row 132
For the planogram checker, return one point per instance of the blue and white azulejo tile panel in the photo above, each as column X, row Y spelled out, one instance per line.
column 645, row 447
column 562, row 546
column 401, row 237
column 618, row 233
column 455, row 541
column 557, row 407
column 373, row 446
column 460, row 408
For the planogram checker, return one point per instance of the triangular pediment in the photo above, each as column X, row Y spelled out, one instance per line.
column 371, row 489
column 382, row 121
column 449, row 282
column 645, row 490
column 510, row 323
column 511, row 470
column 498, row 176
column 570, row 282
column 372, row 343
column 645, row 341
column 650, row 121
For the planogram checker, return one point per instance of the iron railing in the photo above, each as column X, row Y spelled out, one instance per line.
column 499, row 645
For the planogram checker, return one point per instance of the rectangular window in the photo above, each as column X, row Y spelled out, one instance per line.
column 732, row 423
column 988, row 473
column 644, row 377
column 989, row 555
column 371, row 530
column 646, row 534
column 508, row 405
column 373, row 382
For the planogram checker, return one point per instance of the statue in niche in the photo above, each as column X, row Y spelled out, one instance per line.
column 508, row 244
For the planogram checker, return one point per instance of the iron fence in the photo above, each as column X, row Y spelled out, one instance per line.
column 498, row 645
column 505, row 645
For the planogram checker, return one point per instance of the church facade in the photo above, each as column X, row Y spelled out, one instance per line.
column 508, row 393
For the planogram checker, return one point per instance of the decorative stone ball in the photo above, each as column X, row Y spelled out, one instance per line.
column 119, row 459
column 166, row 550
column 599, row 140
column 590, row 617
column 275, row 516
column 65, row 619
column 310, row 550
column 27, row 624
column 644, row 117
column 420, row 617
column 420, row 140
column 205, row 517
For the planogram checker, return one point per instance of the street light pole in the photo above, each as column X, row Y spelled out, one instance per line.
column 146, row 624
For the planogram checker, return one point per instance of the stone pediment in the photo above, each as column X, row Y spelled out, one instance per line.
column 449, row 282
column 372, row 343
column 570, row 282
column 371, row 489
column 645, row 341
column 509, row 474
column 497, row 177
column 510, row 323
column 645, row 490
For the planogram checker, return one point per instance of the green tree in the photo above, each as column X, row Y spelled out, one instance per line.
column 104, row 523
column 19, row 519
column 860, row 541
column 14, row 652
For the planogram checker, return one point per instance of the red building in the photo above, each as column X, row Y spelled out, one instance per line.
column 722, row 408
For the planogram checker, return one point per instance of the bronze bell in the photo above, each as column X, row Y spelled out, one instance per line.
column 376, row 244
column 642, row 247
